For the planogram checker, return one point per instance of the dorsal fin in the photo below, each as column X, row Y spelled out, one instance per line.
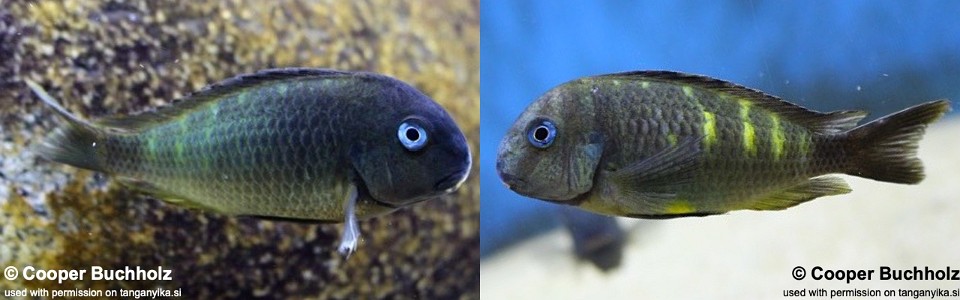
column 831, row 122
column 213, row 92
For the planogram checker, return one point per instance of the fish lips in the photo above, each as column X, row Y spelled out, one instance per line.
column 504, row 170
column 455, row 179
column 508, row 180
column 452, row 182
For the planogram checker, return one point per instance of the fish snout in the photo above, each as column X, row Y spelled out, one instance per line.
column 509, row 180
column 455, row 179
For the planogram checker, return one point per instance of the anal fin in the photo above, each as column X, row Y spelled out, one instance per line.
column 148, row 188
column 154, row 191
column 800, row 193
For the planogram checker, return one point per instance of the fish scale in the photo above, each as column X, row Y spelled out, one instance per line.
column 660, row 144
column 226, row 173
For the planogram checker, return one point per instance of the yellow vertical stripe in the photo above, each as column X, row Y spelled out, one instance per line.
column 709, row 129
column 688, row 91
column 709, row 120
column 749, row 136
column 804, row 141
column 777, row 138
column 151, row 148
column 178, row 146
column 242, row 98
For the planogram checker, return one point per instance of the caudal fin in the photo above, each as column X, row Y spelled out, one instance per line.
column 76, row 143
column 886, row 149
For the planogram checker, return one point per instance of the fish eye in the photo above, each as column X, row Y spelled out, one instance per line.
column 412, row 136
column 542, row 135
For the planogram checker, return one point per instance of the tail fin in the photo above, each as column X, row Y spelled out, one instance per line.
column 75, row 144
column 886, row 149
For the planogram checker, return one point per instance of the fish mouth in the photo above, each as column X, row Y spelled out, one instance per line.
column 455, row 179
column 505, row 178
column 510, row 181
column 452, row 181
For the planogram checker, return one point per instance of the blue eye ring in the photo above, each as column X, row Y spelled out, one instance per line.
column 542, row 134
column 412, row 136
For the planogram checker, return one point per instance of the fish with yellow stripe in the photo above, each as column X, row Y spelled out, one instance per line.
column 662, row 144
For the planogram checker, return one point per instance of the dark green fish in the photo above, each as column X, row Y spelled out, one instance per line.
column 297, row 143
column 658, row 144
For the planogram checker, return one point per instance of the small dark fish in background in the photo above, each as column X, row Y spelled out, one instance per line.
column 294, row 143
column 598, row 239
column 661, row 144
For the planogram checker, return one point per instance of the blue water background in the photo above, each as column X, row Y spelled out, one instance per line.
column 879, row 56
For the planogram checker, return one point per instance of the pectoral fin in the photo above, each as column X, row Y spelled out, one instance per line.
column 660, row 176
column 351, row 231
column 803, row 192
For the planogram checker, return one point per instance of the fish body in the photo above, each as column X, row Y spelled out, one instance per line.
column 660, row 144
column 296, row 143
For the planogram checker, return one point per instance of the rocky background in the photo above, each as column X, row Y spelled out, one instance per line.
column 102, row 58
